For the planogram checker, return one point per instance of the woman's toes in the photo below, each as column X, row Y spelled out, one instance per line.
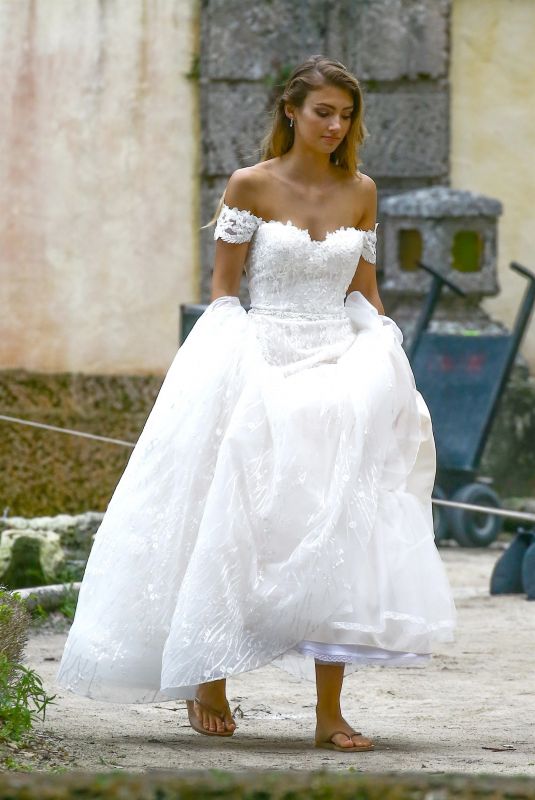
column 342, row 739
column 361, row 741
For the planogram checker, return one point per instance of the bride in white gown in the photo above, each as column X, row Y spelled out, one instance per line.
column 277, row 506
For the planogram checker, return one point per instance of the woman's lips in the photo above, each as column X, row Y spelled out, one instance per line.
column 331, row 138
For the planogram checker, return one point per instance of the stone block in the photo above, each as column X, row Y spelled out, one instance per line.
column 441, row 201
column 391, row 40
column 408, row 134
column 234, row 119
column 257, row 41
column 29, row 557
column 76, row 532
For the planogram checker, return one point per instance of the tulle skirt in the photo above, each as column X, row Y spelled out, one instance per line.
column 276, row 509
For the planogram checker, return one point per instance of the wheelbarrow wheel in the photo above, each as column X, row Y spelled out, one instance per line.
column 474, row 528
column 440, row 519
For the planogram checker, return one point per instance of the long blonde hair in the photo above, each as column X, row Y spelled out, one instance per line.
column 313, row 73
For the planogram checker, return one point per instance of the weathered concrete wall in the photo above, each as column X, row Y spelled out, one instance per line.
column 98, row 183
column 493, row 131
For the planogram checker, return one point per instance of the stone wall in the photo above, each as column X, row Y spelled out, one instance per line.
column 398, row 50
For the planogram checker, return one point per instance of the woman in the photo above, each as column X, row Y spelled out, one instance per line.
column 276, row 508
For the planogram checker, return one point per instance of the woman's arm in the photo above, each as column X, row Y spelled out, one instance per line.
column 229, row 257
column 365, row 277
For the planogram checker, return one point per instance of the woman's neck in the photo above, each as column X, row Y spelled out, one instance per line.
column 306, row 167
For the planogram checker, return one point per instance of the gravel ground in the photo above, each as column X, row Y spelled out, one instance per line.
column 472, row 709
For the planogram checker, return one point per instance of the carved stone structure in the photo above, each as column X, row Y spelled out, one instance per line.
column 453, row 231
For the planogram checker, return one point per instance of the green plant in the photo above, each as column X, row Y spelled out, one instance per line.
column 13, row 764
column 68, row 604
column 275, row 82
column 20, row 689
column 22, row 697
column 195, row 69
column 68, row 576
column 38, row 612
column 14, row 621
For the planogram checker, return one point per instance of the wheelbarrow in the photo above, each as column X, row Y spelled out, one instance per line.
column 462, row 379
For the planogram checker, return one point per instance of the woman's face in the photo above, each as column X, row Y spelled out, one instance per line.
column 324, row 118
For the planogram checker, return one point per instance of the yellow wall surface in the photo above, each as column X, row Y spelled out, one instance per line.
column 98, row 183
column 493, row 131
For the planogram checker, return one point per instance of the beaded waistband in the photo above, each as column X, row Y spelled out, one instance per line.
column 283, row 312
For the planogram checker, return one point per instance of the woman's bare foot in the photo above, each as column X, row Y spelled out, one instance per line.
column 327, row 722
column 213, row 696
column 332, row 731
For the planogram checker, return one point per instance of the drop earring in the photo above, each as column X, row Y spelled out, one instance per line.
column 291, row 122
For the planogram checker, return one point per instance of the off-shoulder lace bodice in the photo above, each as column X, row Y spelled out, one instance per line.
column 289, row 271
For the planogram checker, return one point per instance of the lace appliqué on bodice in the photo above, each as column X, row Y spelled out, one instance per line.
column 237, row 225
column 369, row 246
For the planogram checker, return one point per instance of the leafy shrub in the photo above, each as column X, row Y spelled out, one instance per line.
column 14, row 622
column 22, row 697
column 20, row 689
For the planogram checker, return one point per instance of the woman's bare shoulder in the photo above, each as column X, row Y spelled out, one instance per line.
column 247, row 184
column 365, row 200
column 364, row 183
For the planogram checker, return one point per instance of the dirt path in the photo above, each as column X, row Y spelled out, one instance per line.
column 477, row 694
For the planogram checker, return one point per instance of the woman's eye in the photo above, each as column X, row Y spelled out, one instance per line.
column 323, row 114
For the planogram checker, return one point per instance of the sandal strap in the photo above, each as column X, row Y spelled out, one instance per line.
column 220, row 714
column 344, row 733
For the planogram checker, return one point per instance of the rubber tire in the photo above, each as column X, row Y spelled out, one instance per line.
column 528, row 571
column 440, row 517
column 463, row 523
column 508, row 576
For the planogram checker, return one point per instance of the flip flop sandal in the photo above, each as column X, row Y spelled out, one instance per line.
column 194, row 720
column 328, row 744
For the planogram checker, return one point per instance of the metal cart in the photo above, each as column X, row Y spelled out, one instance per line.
column 462, row 379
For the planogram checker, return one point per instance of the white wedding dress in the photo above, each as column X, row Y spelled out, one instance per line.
column 276, row 508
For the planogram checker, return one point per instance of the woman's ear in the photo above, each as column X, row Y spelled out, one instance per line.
column 289, row 111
